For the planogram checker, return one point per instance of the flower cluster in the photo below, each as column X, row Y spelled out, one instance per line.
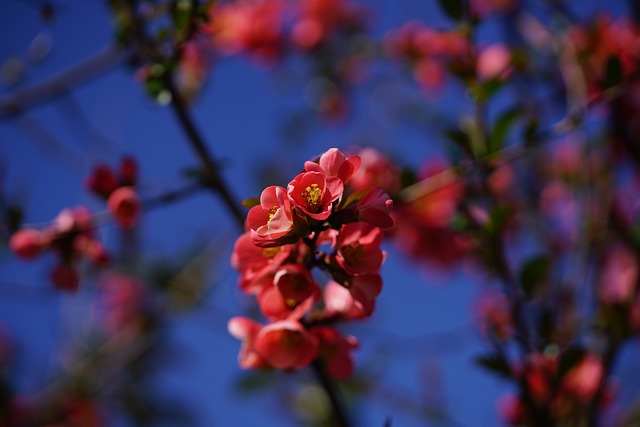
column 316, row 222
column 429, row 52
column 71, row 235
column 117, row 188
column 553, row 392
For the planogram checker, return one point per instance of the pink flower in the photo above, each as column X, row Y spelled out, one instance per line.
column 364, row 289
column 246, row 330
column 358, row 248
column 493, row 63
column 583, row 380
column 272, row 220
column 102, row 181
column 336, row 349
column 257, row 265
column 286, row 345
column 335, row 164
column 375, row 208
column 494, row 315
column 376, row 170
column 77, row 219
column 65, row 277
column 276, row 307
column 295, row 284
column 27, row 243
column 338, row 301
column 313, row 193
column 124, row 204
column 619, row 277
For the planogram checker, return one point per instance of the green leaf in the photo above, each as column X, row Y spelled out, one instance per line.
column 496, row 364
column 250, row 202
column 534, row 273
column 614, row 74
column 453, row 8
column 498, row 219
column 501, row 128
column 182, row 19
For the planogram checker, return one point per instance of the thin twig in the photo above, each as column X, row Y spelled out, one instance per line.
column 76, row 75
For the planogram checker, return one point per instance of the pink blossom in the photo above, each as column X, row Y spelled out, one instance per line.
column 583, row 380
column 313, row 193
column 257, row 265
column 375, row 209
column 246, row 330
column 125, row 206
column 294, row 282
column 358, row 248
column 335, row 164
column 102, row 181
column 493, row 62
column 253, row 26
column 376, row 170
column 364, row 289
column 338, row 301
column 619, row 277
column 27, row 243
column 271, row 221
column 336, row 349
column 65, row 277
column 77, row 219
column 286, row 345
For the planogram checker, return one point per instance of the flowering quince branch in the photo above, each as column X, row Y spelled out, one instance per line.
column 276, row 257
column 72, row 233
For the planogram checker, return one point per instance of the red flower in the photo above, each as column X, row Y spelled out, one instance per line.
column 335, row 349
column 27, row 243
column 313, row 193
column 286, row 344
column 125, row 206
column 358, row 248
column 272, row 220
column 335, row 164
column 246, row 330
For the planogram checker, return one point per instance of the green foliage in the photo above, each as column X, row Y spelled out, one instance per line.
column 534, row 273
column 250, row 202
column 503, row 124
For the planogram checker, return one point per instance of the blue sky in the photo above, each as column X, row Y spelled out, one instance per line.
column 421, row 328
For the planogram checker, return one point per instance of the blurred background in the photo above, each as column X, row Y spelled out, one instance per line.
column 173, row 361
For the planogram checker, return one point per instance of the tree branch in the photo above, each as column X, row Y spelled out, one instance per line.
column 80, row 73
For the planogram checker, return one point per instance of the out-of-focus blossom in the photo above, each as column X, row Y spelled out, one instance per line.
column 376, row 170
column 125, row 206
column 336, row 349
column 494, row 63
column 619, row 277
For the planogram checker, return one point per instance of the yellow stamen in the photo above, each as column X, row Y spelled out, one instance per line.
column 312, row 196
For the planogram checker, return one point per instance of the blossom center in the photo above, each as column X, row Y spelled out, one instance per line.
column 272, row 213
column 313, row 196
column 353, row 253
